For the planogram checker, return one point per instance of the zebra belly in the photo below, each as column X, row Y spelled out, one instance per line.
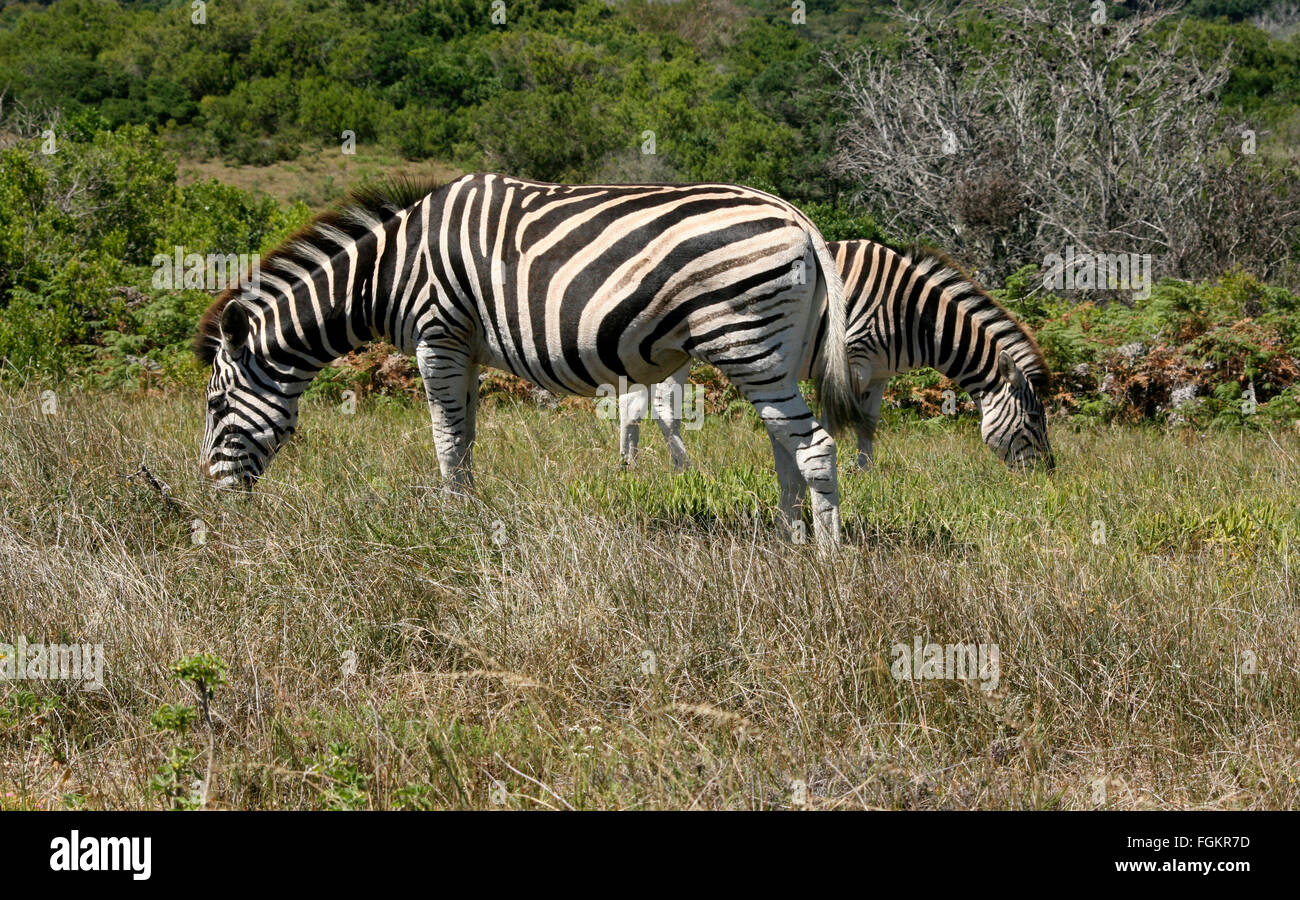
column 666, row 361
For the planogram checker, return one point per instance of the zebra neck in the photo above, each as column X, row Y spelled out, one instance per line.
column 316, row 307
column 969, row 356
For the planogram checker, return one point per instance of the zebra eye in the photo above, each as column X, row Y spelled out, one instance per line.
column 217, row 404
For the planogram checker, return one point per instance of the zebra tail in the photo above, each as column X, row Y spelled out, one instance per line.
column 834, row 381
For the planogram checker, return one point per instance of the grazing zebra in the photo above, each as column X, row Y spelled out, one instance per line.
column 906, row 309
column 568, row 286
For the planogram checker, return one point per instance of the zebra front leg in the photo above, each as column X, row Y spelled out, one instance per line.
column 666, row 406
column 867, row 426
column 445, row 370
column 790, row 424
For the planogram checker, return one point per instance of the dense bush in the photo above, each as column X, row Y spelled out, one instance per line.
column 1188, row 353
column 79, row 232
column 730, row 90
column 566, row 89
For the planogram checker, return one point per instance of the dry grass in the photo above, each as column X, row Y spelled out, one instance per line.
column 504, row 639
column 319, row 176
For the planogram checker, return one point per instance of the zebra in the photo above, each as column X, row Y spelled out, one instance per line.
column 905, row 309
column 569, row 286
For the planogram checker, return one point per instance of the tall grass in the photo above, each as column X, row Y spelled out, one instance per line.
column 579, row 636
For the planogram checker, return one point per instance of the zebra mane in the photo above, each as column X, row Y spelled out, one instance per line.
column 1017, row 340
column 359, row 212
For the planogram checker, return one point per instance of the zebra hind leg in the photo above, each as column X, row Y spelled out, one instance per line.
column 791, row 426
column 445, row 371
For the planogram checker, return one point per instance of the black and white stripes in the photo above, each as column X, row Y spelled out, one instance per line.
column 907, row 309
column 570, row 287
column 915, row 308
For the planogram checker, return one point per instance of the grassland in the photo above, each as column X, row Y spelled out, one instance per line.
column 578, row 636
column 319, row 176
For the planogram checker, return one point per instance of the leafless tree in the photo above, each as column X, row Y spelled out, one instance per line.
column 1281, row 20
column 25, row 121
column 1075, row 129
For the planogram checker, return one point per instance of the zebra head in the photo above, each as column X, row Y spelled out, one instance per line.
column 1012, row 420
column 250, row 414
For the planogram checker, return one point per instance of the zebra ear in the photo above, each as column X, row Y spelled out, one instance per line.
column 234, row 326
column 1010, row 372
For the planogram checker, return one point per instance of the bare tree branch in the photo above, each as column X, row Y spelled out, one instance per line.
column 1075, row 129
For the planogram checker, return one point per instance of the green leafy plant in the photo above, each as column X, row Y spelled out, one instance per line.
column 205, row 672
column 175, row 782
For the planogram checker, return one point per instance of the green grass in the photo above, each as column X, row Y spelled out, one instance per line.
column 577, row 635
